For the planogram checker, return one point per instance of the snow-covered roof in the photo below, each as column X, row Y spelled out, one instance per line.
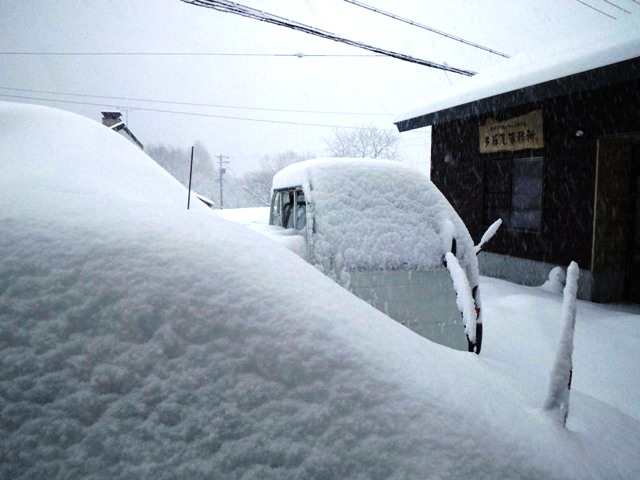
column 122, row 128
column 206, row 200
column 117, row 126
column 554, row 69
column 377, row 214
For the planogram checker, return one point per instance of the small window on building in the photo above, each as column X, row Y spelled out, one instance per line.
column 497, row 193
column 513, row 192
column 526, row 193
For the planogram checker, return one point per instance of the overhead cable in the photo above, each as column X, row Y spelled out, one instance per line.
column 616, row 6
column 425, row 27
column 596, row 9
column 188, row 54
column 192, row 104
column 228, row 6
column 177, row 112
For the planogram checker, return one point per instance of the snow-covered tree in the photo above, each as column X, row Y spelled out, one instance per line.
column 366, row 141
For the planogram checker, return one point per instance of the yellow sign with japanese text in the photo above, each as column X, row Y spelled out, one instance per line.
column 517, row 133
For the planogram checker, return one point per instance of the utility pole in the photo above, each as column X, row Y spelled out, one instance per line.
column 222, row 169
column 190, row 175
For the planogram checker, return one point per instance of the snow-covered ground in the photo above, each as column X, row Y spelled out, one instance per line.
column 246, row 216
column 521, row 333
column 142, row 340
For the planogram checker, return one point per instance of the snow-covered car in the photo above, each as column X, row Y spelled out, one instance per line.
column 142, row 340
column 382, row 230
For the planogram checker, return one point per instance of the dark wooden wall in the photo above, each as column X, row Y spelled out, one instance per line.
column 569, row 170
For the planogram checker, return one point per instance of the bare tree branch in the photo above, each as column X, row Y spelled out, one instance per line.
column 257, row 183
column 368, row 141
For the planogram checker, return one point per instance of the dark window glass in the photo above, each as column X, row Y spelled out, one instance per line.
column 513, row 192
column 497, row 190
column 275, row 218
column 301, row 210
column 288, row 209
column 526, row 194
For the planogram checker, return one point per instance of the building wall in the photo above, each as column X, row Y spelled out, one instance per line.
column 569, row 171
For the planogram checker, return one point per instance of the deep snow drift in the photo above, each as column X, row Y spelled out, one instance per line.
column 142, row 340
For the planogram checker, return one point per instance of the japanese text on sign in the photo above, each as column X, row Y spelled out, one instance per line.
column 516, row 133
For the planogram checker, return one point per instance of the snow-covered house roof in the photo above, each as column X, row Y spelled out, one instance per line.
column 535, row 75
column 115, row 123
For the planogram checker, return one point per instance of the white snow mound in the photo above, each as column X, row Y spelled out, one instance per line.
column 139, row 340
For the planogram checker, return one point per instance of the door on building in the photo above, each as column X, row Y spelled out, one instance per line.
column 633, row 273
column 616, row 236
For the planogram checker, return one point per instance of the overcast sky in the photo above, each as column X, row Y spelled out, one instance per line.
column 363, row 88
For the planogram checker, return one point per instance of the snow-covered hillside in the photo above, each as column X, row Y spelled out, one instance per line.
column 142, row 340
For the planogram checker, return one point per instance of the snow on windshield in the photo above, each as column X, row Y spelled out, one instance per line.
column 376, row 214
column 141, row 340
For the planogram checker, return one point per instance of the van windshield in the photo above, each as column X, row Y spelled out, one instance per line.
column 289, row 209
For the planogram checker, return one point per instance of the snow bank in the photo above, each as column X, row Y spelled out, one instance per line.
column 141, row 340
column 555, row 282
column 245, row 216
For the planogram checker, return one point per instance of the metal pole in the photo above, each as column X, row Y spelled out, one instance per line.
column 190, row 175
column 221, row 171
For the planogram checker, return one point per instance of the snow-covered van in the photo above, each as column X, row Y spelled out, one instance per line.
column 383, row 231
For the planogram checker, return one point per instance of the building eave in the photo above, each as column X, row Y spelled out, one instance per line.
column 588, row 80
column 122, row 127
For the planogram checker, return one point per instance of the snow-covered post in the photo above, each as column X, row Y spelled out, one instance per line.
column 464, row 295
column 488, row 235
column 557, row 403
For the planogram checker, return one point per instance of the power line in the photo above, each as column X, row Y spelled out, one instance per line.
column 596, row 9
column 190, row 54
column 177, row 112
column 228, row 6
column 425, row 27
column 192, row 104
column 616, row 6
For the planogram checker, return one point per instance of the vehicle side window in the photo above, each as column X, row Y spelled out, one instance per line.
column 301, row 210
column 289, row 209
column 276, row 209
